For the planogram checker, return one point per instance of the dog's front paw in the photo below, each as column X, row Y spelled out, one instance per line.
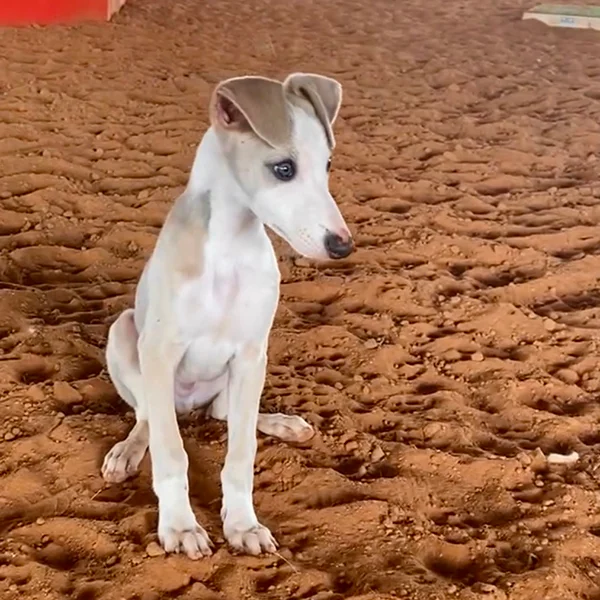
column 255, row 540
column 184, row 535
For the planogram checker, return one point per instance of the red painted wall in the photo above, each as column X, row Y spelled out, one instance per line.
column 45, row 12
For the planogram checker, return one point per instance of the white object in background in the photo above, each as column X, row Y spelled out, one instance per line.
column 564, row 15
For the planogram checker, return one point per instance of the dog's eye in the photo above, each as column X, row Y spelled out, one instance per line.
column 328, row 165
column 284, row 170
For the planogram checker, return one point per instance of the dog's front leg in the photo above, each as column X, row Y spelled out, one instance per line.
column 240, row 525
column 178, row 530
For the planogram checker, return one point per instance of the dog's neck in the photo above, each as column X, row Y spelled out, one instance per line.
column 215, row 198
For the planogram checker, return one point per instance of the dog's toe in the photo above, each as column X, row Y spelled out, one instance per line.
column 302, row 431
column 194, row 543
column 253, row 541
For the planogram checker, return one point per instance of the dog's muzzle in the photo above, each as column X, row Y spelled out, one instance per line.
column 338, row 246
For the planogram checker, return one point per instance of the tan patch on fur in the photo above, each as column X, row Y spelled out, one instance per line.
column 324, row 93
column 263, row 104
column 187, row 233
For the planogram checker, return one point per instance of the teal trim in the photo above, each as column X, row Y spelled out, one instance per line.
column 567, row 10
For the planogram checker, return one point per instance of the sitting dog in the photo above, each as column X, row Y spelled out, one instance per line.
column 207, row 297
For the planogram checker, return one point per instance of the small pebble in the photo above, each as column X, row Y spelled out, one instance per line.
column 302, row 262
column 377, row 454
column 567, row 376
column 111, row 560
column 538, row 461
column 153, row 549
column 65, row 393
column 525, row 459
column 484, row 588
column 477, row 356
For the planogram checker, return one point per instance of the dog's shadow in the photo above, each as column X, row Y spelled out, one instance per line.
column 205, row 459
column 204, row 482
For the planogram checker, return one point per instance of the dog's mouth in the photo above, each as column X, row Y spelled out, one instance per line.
column 285, row 237
column 301, row 242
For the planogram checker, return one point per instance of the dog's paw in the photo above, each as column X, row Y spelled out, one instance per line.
column 296, row 429
column 255, row 541
column 122, row 461
column 289, row 428
column 193, row 542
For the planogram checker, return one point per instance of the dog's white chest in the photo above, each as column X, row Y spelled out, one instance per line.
column 219, row 314
column 229, row 304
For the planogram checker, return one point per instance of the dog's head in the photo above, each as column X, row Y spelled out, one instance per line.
column 277, row 139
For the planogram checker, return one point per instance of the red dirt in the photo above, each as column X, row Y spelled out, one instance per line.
column 441, row 363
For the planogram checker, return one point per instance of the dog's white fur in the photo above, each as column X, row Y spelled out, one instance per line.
column 207, row 297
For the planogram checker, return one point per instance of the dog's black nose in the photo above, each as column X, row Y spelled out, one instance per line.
column 338, row 246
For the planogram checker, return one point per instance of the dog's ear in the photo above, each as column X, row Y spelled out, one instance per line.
column 253, row 103
column 324, row 93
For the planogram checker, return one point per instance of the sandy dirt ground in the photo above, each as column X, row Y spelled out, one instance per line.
column 442, row 363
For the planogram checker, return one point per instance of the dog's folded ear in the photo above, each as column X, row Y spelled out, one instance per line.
column 253, row 103
column 324, row 93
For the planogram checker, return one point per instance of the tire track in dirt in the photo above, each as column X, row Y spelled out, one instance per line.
column 439, row 363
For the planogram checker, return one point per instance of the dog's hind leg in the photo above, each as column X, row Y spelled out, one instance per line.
column 289, row 428
column 123, row 460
